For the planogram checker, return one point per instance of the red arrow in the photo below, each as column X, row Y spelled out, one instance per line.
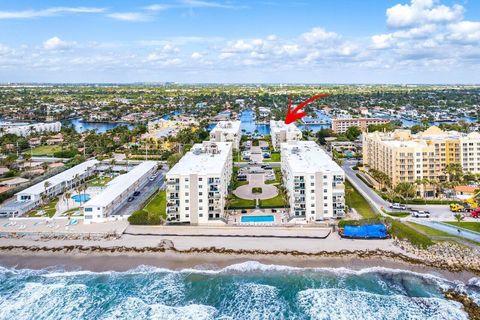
column 295, row 114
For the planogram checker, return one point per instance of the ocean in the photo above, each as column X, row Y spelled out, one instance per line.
column 248, row 290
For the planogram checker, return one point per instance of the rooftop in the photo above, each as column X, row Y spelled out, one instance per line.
column 61, row 177
column 118, row 185
column 307, row 156
column 204, row 158
column 227, row 126
column 281, row 125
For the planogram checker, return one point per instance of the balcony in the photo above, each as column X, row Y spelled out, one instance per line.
column 172, row 210
column 172, row 183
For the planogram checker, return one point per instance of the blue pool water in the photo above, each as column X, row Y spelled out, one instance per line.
column 247, row 219
column 81, row 197
column 248, row 290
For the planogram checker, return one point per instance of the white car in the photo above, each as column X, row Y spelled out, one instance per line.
column 398, row 206
column 421, row 214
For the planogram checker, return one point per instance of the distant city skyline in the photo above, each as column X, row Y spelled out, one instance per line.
column 196, row 41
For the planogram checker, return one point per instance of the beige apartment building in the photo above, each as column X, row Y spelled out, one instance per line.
column 340, row 125
column 407, row 157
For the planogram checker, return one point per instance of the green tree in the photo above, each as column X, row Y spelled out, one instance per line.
column 406, row 190
column 353, row 133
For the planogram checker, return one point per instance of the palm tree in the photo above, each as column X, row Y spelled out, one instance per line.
column 67, row 195
column 459, row 217
column 406, row 190
column 46, row 184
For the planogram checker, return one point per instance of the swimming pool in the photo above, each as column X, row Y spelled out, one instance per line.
column 81, row 197
column 247, row 219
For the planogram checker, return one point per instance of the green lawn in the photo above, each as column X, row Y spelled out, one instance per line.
column 45, row 150
column 474, row 226
column 273, row 202
column 278, row 176
column 275, row 157
column 427, row 230
column 353, row 199
column 408, row 232
column 49, row 209
column 399, row 214
column 239, row 203
column 438, row 233
column 153, row 213
column 99, row 181
column 158, row 205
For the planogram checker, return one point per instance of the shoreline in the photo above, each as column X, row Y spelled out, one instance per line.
column 121, row 259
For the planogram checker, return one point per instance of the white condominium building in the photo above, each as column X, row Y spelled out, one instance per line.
column 470, row 152
column 281, row 132
column 197, row 185
column 227, row 131
column 25, row 129
column 314, row 182
column 115, row 195
column 59, row 183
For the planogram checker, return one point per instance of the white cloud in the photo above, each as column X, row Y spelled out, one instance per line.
column 467, row 31
column 196, row 55
column 422, row 11
column 55, row 11
column 56, row 43
column 318, row 34
column 129, row 16
column 209, row 4
column 157, row 7
column 225, row 55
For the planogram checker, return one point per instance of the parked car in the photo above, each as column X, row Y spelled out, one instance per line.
column 151, row 179
column 475, row 213
column 398, row 206
column 130, row 199
column 421, row 214
column 136, row 193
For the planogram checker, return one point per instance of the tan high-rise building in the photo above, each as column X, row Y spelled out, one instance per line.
column 407, row 157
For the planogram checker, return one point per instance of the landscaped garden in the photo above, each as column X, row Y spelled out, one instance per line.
column 154, row 212
column 48, row 210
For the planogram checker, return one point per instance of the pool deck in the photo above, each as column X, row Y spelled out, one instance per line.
column 236, row 216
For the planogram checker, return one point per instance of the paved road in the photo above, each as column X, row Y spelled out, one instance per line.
column 145, row 192
column 438, row 212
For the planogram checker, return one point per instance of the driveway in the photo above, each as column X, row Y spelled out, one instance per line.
column 146, row 191
column 256, row 154
column 256, row 180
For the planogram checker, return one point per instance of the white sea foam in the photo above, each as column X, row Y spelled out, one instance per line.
column 135, row 308
column 252, row 301
column 44, row 301
column 347, row 304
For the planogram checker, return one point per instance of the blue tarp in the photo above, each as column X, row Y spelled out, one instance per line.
column 365, row 231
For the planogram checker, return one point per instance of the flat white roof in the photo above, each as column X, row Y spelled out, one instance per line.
column 66, row 175
column 276, row 126
column 308, row 157
column 201, row 160
column 227, row 126
column 118, row 185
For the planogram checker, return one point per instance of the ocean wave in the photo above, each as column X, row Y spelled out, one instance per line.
column 136, row 308
column 243, row 267
column 347, row 304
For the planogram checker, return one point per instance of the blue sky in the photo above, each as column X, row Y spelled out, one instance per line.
column 329, row 41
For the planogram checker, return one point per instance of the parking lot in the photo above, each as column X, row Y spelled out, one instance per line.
column 145, row 192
